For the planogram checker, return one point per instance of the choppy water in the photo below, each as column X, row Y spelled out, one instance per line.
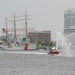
column 19, row 63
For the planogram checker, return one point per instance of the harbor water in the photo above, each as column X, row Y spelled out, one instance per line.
column 36, row 62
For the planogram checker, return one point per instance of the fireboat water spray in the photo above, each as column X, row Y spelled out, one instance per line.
column 63, row 46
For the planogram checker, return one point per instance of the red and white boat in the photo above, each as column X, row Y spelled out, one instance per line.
column 53, row 51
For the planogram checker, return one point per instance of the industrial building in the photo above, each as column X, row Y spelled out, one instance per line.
column 40, row 36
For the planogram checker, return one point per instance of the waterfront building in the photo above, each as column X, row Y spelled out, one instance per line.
column 40, row 36
column 69, row 21
column 10, row 39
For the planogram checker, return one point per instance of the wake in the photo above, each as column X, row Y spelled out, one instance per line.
column 8, row 52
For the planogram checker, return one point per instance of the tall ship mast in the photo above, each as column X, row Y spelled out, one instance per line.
column 18, row 29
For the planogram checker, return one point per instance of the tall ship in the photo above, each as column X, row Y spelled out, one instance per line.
column 23, row 42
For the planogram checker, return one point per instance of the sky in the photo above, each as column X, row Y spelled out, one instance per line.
column 45, row 14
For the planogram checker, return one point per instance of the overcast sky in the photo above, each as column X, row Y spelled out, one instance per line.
column 45, row 14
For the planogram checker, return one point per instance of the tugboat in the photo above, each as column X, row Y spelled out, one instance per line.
column 53, row 51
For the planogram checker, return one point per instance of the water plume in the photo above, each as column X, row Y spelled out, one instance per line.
column 63, row 46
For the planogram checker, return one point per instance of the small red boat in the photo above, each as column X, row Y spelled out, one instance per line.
column 53, row 51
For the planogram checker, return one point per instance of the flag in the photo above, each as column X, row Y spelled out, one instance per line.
column 4, row 30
